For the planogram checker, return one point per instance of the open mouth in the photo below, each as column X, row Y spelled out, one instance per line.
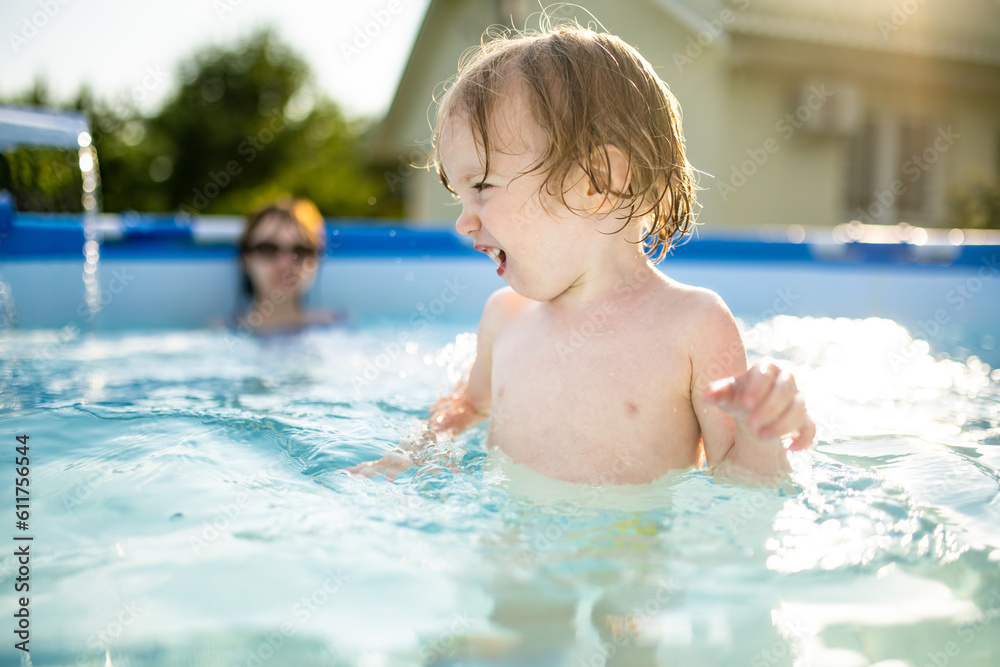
column 497, row 255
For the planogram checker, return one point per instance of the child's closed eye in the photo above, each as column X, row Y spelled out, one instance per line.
column 479, row 187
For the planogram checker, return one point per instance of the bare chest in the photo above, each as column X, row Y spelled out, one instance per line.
column 583, row 404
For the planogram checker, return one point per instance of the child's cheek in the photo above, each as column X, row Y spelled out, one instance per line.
column 531, row 208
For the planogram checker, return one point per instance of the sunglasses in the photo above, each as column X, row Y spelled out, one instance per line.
column 270, row 251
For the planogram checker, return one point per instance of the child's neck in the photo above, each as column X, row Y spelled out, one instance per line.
column 621, row 280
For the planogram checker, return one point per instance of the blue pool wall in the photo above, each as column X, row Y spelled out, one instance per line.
column 159, row 271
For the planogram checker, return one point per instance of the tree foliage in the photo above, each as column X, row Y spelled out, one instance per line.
column 245, row 125
column 42, row 179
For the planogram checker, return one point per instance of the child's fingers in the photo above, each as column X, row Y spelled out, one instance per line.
column 395, row 468
column 721, row 392
column 441, row 421
column 366, row 470
column 756, row 383
column 805, row 437
column 794, row 419
column 391, row 465
column 775, row 403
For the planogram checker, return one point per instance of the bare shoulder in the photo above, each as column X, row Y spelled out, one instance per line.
column 708, row 331
column 697, row 318
column 699, row 309
column 506, row 299
column 501, row 307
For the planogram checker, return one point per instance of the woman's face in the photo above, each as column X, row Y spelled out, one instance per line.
column 280, row 261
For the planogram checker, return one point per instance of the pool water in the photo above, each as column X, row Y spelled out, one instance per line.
column 187, row 509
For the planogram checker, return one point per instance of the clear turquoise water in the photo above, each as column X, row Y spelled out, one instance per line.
column 186, row 509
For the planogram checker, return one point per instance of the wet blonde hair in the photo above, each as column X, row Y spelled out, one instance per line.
column 587, row 90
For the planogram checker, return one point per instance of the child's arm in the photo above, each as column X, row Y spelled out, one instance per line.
column 469, row 401
column 467, row 405
column 744, row 414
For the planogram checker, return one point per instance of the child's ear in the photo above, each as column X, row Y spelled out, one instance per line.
column 606, row 178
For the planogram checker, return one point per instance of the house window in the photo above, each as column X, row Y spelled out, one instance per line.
column 894, row 171
column 861, row 169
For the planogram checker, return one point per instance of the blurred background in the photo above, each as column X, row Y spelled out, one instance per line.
column 797, row 112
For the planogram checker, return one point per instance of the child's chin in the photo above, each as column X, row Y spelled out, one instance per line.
column 532, row 292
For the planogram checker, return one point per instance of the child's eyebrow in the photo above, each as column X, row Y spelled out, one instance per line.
column 472, row 175
column 476, row 176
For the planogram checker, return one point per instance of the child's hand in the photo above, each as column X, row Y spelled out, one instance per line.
column 391, row 465
column 400, row 459
column 766, row 404
column 450, row 415
column 453, row 414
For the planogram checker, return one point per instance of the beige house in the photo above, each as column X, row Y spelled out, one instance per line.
column 809, row 112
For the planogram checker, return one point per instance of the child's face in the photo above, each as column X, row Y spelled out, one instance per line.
column 540, row 251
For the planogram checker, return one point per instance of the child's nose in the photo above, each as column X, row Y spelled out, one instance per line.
column 467, row 223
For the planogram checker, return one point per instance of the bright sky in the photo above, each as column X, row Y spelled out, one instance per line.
column 127, row 49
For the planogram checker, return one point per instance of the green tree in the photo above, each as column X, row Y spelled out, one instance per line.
column 245, row 126
column 42, row 179
column 39, row 178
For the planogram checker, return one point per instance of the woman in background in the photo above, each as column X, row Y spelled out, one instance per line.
column 279, row 254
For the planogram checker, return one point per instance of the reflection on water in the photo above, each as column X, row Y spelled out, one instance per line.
column 187, row 509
